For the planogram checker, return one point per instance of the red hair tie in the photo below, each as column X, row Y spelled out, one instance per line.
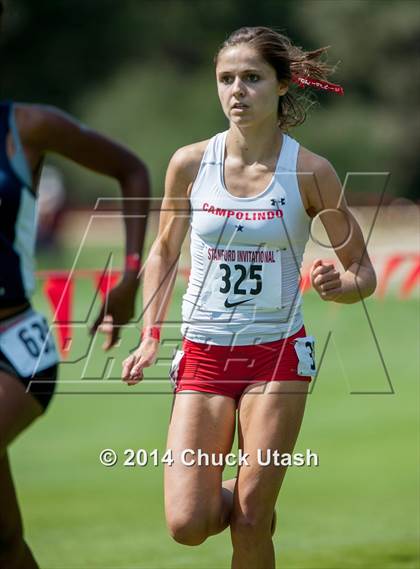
column 318, row 84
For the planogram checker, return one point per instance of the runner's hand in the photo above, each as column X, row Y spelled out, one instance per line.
column 326, row 280
column 144, row 356
column 115, row 312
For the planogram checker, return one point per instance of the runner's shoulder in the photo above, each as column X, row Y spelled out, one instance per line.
column 186, row 161
column 309, row 162
column 36, row 122
column 318, row 181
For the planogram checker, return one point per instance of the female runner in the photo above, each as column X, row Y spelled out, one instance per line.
column 28, row 358
column 250, row 194
column 27, row 353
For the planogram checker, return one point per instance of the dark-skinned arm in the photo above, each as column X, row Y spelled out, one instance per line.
column 46, row 130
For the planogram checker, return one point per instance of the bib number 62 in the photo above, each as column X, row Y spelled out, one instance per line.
column 34, row 338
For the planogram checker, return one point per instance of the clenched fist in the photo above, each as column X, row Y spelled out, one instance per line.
column 326, row 280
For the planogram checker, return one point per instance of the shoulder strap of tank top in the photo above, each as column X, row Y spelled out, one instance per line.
column 214, row 152
column 210, row 157
column 288, row 155
column 220, row 144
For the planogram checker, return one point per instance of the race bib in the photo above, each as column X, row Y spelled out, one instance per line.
column 249, row 277
column 305, row 350
column 29, row 345
column 173, row 372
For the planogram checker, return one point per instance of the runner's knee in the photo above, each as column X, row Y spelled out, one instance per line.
column 189, row 529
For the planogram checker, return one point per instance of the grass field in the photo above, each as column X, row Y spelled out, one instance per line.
column 358, row 509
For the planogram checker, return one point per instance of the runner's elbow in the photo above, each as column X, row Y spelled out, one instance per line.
column 163, row 251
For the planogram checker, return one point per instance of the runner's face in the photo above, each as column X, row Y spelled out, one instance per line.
column 247, row 85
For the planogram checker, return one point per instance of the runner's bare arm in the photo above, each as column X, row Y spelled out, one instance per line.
column 46, row 129
column 325, row 198
column 162, row 262
column 174, row 220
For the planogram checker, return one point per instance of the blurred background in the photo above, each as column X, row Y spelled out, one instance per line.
column 142, row 71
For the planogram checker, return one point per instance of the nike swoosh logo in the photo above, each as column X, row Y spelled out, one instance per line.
column 232, row 304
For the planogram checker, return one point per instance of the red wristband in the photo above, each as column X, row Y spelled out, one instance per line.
column 151, row 332
column 132, row 262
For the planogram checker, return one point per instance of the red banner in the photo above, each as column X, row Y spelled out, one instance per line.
column 59, row 291
column 399, row 272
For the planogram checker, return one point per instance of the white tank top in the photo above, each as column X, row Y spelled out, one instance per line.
column 246, row 254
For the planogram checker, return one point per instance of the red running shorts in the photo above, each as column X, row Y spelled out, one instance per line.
column 229, row 370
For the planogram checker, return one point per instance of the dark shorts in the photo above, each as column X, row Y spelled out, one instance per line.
column 27, row 351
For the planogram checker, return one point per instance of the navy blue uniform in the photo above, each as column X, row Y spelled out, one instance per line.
column 26, row 348
column 17, row 218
